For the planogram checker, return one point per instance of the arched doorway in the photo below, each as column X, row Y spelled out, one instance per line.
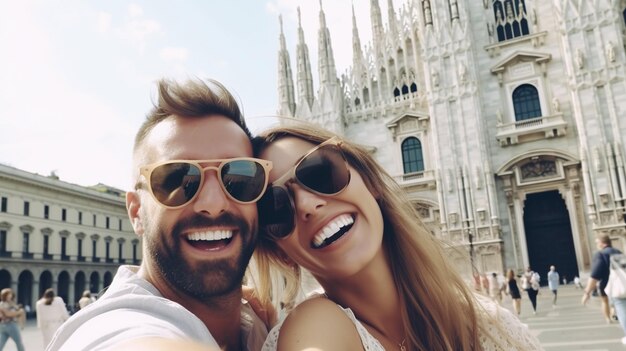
column 45, row 282
column 549, row 235
column 94, row 282
column 79, row 286
column 108, row 278
column 5, row 279
column 25, row 288
column 64, row 286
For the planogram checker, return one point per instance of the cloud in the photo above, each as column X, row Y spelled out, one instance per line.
column 103, row 22
column 169, row 54
column 135, row 10
column 137, row 29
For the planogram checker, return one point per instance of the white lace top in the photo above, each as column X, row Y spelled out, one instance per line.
column 500, row 330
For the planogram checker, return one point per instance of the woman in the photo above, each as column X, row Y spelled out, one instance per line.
column 346, row 221
column 513, row 290
column 85, row 300
column 10, row 313
column 51, row 313
column 530, row 283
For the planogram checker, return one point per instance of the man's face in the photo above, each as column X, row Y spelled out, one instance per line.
column 201, row 249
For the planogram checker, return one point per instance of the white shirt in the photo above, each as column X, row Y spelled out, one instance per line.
column 132, row 308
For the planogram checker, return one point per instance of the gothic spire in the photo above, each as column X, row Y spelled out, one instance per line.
column 391, row 17
column 377, row 26
column 357, row 52
column 287, row 102
column 304, row 76
column 326, row 61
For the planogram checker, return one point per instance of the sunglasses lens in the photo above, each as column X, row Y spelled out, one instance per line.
column 324, row 171
column 276, row 216
column 244, row 179
column 174, row 184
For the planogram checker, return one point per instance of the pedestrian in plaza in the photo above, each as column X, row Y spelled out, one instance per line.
column 196, row 185
column 495, row 288
column 577, row 283
column 530, row 283
column 600, row 271
column 388, row 284
column 513, row 289
column 10, row 316
column 85, row 300
column 553, row 283
column 51, row 313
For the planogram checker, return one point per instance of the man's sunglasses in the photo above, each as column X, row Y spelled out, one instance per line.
column 175, row 183
column 323, row 171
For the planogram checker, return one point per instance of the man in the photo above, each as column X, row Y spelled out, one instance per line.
column 194, row 206
column 600, row 269
column 553, row 283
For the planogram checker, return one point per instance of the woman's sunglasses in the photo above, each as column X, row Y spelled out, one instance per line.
column 175, row 183
column 323, row 171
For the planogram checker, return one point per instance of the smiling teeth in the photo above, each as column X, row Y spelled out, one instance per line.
column 332, row 228
column 211, row 235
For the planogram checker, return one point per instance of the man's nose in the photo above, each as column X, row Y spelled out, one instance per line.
column 212, row 199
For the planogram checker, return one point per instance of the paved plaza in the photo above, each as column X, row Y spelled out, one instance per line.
column 568, row 327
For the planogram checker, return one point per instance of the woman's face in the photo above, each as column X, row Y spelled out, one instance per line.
column 336, row 236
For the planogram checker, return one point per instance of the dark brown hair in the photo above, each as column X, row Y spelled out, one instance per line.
column 194, row 98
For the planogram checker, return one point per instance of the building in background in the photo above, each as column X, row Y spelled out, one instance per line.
column 504, row 120
column 62, row 236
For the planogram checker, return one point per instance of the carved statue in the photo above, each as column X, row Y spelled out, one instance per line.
column 556, row 105
column 428, row 16
column 610, row 52
column 462, row 72
column 580, row 59
column 435, row 77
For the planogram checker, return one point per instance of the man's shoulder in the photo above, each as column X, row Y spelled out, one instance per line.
column 122, row 324
column 129, row 308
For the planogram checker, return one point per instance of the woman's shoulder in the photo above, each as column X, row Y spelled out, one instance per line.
column 500, row 328
column 312, row 318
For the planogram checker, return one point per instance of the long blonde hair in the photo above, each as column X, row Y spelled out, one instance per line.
column 440, row 311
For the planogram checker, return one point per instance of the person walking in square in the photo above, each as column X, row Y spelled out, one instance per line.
column 513, row 290
column 51, row 314
column 10, row 314
column 600, row 271
column 553, row 283
column 530, row 283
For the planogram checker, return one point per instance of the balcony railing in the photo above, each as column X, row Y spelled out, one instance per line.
column 531, row 129
column 426, row 178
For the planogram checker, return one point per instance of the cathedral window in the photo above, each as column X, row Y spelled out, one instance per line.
column 413, row 87
column 396, row 92
column 412, row 157
column 405, row 90
column 357, row 102
column 526, row 102
column 511, row 19
column 624, row 15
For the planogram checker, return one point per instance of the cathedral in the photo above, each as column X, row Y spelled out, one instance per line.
column 504, row 120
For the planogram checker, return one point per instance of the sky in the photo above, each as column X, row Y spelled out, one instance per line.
column 77, row 77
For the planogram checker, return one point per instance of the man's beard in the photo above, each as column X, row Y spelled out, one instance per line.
column 205, row 279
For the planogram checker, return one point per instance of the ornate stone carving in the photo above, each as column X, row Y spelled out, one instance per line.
column 538, row 169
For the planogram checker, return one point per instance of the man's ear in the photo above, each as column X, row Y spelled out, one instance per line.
column 133, row 204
